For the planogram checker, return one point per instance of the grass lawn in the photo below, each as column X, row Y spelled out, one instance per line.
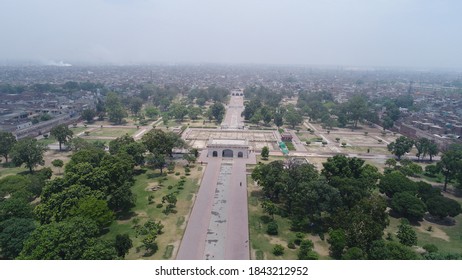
column 105, row 141
column 448, row 239
column 262, row 244
column 270, row 159
column 111, row 132
column 174, row 224
column 289, row 145
column 48, row 141
column 6, row 171
column 77, row 130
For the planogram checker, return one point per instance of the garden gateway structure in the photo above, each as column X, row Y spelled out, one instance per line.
column 228, row 148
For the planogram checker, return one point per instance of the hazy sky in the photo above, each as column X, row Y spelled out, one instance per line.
column 409, row 33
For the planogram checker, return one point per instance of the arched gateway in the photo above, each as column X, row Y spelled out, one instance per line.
column 227, row 153
column 228, row 148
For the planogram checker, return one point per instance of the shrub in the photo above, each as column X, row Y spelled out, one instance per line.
column 177, row 173
column 272, row 228
column 291, row 245
column 151, row 199
column 278, row 250
column 306, row 251
column 299, row 238
column 160, row 205
column 344, row 144
column 430, row 248
column 170, row 187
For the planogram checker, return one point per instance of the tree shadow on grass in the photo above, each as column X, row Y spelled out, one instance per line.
column 137, row 172
column 257, row 194
column 395, row 215
column 447, row 221
column 154, row 175
column 123, row 216
column 265, row 219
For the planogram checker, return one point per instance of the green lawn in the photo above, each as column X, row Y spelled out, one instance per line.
column 448, row 239
column 6, row 171
column 289, row 145
column 48, row 141
column 174, row 224
column 262, row 244
column 77, row 130
column 112, row 132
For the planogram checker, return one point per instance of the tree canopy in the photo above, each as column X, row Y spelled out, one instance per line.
column 28, row 151
column 7, row 141
column 62, row 133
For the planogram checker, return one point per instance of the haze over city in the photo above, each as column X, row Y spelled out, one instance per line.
column 393, row 33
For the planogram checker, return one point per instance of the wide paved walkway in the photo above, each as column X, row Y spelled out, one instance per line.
column 218, row 224
column 218, row 227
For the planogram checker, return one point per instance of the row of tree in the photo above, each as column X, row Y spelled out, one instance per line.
column 340, row 201
column 73, row 212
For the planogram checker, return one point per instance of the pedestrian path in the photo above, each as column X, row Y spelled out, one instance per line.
column 216, row 233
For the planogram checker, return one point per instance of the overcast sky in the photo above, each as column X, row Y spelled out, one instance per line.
column 403, row 33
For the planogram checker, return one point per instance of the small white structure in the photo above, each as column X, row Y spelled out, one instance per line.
column 228, row 148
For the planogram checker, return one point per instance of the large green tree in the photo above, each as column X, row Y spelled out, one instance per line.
column 88, row 115
column 94, row 209
column 7, row 141
column 272, row 178
column 157, row 161
column 28, row 151
column 396, row 182
column 450, row 164
column 114, row 108
column 65, row 240
column 364, row 223
column 384, row 250
column 293, row 117
column 217, row 110
column 406, row 235
column 337, row 242
column 13, row 233
column 442, row 207
column 408, row 205
column 123, row 243
column 157, row 141
column 62, row 133
column 401, row 146
column 99, row 249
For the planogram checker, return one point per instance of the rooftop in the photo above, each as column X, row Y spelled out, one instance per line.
column 227, row 142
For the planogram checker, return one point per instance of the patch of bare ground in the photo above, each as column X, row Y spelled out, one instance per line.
column 276, row 240
column 152, row 187
column 436, row 231
column 320, row 246
column 51, row 155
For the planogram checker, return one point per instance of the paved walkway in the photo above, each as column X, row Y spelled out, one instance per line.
column 233, row 118
column 218, row 224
